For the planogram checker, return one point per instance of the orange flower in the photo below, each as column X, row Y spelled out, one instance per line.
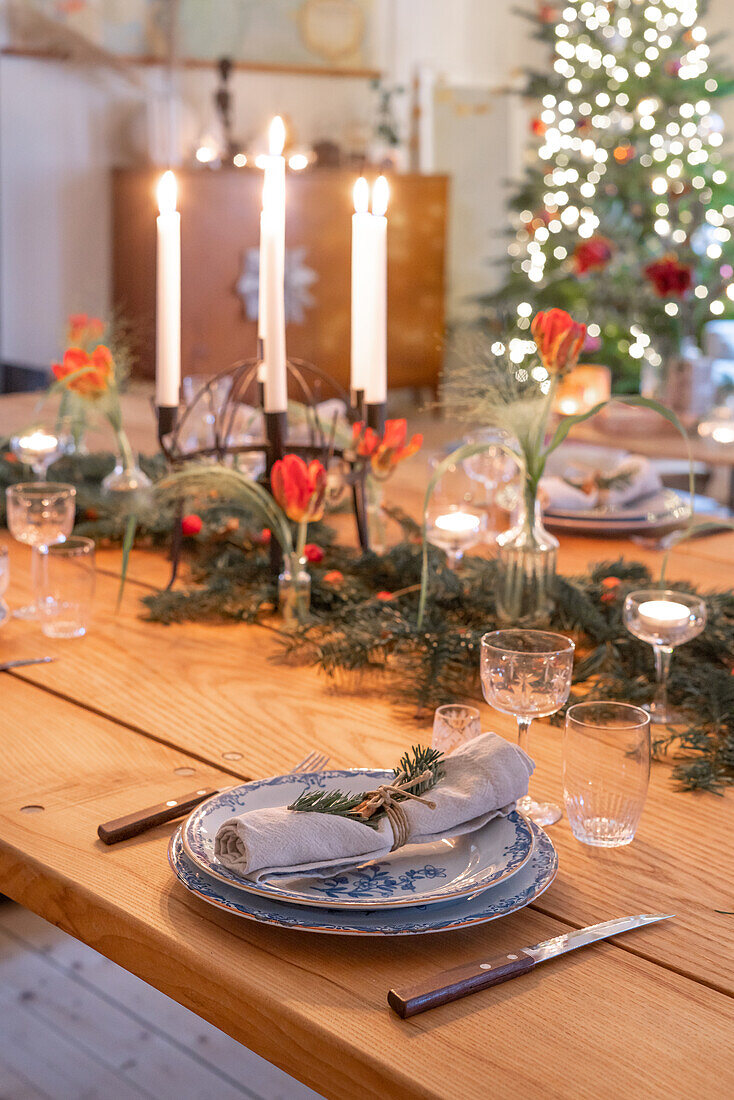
column 95, row 381
column 384, row 454
column 559, row 340
column 299, row 489
column 83, row 329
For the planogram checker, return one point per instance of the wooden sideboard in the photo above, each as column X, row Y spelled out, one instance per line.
column 220, row 227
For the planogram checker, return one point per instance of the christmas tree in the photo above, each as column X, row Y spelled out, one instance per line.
column 622, row 214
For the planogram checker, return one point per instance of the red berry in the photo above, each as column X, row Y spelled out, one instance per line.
column 191, row 525
column 313, row 553
column 333, row 577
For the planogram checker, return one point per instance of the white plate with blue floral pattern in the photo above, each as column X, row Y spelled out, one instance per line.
column 486, row 905
column 418, row 874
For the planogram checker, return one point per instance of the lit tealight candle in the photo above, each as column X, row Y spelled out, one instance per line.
column 38, row 444
column 458, row 523
column 663, row 614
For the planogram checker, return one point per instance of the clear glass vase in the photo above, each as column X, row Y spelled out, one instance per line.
column 526, row 560
column 127, row 481
column 294, row 591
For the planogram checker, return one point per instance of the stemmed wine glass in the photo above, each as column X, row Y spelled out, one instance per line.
column 40, row 445
column 527, row 673
column 455, row 521
column 39, row 513
column 665, row 619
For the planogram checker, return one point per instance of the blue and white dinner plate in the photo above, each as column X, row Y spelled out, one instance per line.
column 418, row 874
column 486, row 905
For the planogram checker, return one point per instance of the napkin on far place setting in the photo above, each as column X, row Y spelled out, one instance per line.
column 582, row 487
column 482, row 779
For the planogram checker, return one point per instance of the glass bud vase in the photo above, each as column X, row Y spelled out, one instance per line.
column 294, row 591
column 127, row 481
column 526, row 564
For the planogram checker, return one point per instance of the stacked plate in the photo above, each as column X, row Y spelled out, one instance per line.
column 658, row 511
column 454, row 883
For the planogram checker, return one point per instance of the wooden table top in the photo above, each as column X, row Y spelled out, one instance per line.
column 110, row 725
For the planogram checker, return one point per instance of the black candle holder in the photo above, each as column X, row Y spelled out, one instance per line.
column 309, row 386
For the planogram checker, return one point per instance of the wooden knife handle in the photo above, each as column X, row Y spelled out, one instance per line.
column 122, row 828
column 450, row 985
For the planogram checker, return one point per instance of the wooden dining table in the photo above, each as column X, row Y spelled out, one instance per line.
column 136, row 713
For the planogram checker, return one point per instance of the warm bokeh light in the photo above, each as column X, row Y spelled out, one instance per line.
column 167, row 193
column 298, row 162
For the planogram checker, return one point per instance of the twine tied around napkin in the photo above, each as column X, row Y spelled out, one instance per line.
column 384, row 798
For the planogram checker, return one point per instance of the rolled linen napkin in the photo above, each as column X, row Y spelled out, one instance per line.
column 482, row 779
column 583, row 487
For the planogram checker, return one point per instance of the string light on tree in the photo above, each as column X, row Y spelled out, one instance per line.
column 629, row 153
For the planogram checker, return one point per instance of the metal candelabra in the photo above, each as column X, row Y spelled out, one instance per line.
column 310, row 386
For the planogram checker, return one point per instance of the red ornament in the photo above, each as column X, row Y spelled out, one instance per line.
column 669, row 277
column 592, row 255
column 191, row 525
column 313, row 553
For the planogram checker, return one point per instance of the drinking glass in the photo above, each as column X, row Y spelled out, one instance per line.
column 4, row 578
column 665, row 619
column 66, row 587
column 493, row 467
column 455, row 520
column 606, row 770
column 454, row 724
column 527, row 673
column 39, row 513
column 40, row 445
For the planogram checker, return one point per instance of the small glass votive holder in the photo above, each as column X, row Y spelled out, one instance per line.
column 66, row 587
column 4, row 580
column 606, row 771
column 454, row 724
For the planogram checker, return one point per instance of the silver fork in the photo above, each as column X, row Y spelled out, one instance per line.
column 314, row 762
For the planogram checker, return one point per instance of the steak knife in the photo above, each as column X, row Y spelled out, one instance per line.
column 450, row 985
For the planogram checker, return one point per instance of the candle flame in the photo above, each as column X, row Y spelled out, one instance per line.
column 276, row 136
column 380, row 195
column 361, row 196
column 167, row 193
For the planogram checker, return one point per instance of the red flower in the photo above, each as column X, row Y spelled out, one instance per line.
column 538, row 127
column 82, row 329
column 191, row 525
column 592, row 255
column 334, row 576
column 384, row 454
column 559, row 340
column 299, row 489
column 95, row 380
column 669, row 277
column 313, row 553
column 610, row 586
column 384, row 596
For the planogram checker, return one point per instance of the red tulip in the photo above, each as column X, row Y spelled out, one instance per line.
column 299, row 489
column 592, row 255
column 559, row 340
column 93, row 382
column 384, row 454
column 669, row 277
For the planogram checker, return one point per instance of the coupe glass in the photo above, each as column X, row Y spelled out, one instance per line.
column 491, row 468
column 39, row 513
column 527, row 673
column 40, row 445
column 454, row 724
column 66, row 587
column 665, row 619
column 4, row 579
column 606, row 770
column 455, row 520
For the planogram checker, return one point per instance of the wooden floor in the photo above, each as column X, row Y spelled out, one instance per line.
column 77, row 1027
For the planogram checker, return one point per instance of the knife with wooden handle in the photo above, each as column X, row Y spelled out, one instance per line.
column 471, row 977
column 122, row 828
